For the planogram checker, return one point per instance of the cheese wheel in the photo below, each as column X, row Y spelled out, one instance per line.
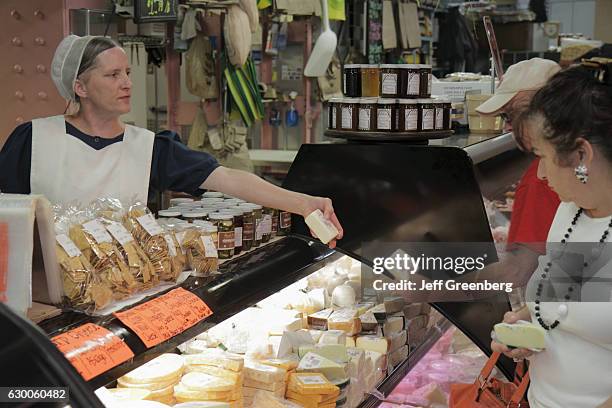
column 149, row 386
column 129, row 394
column 141, row 404
column 160, row 369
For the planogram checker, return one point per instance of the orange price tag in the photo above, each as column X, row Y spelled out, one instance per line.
column 166, row 316
column 92, row 349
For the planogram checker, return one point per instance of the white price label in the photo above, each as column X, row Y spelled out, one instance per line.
column 364, row 119
column 411, row 119
column 97, row 231
column 428, row 119
column 119, row 232
column 384, row 119
column 389, row 84
column 210, row 250
column 347, row 117
column 439, row 118
column 334, row 114
column 171, row 246
column 312, row 380
column 414, row 84
column 238, row 236
column 180, row 237
column 258, row 229
column 267, row 224
column 69, row 246
column 150, row 225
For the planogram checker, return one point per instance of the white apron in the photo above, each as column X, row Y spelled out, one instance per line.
column 66, row 170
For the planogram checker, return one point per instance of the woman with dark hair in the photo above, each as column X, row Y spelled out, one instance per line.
column 570, row 128
column 91, row 153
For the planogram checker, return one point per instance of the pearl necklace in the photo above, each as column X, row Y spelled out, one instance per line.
column 570, row 289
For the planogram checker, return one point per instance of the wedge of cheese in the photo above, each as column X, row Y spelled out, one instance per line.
column 215, row 371
column 275, row 386
column 217, row 358
column 161, row 369
column 521, row 334
column 333, row 352
column 318, row 321
column 205, row 382
column 333, row 337
column 250, row 392
column 373, row 343
column 311, row 384
column 312, row 362
column 345, row 320
column 264, row 373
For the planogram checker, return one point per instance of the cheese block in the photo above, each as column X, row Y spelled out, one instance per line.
column 275, row 386
column 376, row 359
column 205, row 382
column 218, row 358
column 311, row 384
column 356, row 364
column 351, row 326
column 182, row 392
column 394, row 304
column 350, row 341
column 412, row 310
column 398, row 356
column 373, row 343
column 291, row 342
column 321, row 226
column 198, row 346
column 160, row 369
column 250, row 392
column 521, row 334
column 318, row 298
column 363, row 307
column 393, row 324
column 203, row 404
column 318, row 321
column 417, row 322
column 286, row 363
column 379, row 312
column 312, row 362
column 368, row 322
column 216, row 371
column 304, row 399
column 333, row 352
column 316, row 335
column 333, row 337
column 263, row 400
column 129, row 394
column 397, row 340
column 356, row 285
column 262, row 372
column 151, row 386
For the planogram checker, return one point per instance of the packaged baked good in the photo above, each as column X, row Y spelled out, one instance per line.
column 178, row 256
column 199, row 243
column 150, row 236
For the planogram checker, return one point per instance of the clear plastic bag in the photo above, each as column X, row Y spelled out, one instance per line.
column 178, row 258
column 202, row 257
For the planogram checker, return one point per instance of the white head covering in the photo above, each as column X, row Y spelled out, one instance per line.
column 66, row 63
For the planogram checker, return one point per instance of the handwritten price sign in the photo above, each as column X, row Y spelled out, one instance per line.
column 164, row 317
column 92, row 349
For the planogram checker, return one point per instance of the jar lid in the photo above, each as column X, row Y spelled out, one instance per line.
column 409, row 66
column 426, row 101
column 442, row 99
column 389, row 66
column 194, row 214
column 186, row 205
column 424, row 66
column 236, row 212
column 210, row 200
column 168, row 213
column 368, row 100
column 335, row 100
column 212, row 194
column 369, row 66
column 180, row 200
column 386, row 101
column 408, row 101
column 220, row 217
column 352, row 66
column 256, row 206
column 350, row 100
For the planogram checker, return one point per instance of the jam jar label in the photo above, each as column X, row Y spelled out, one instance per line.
column 347, row 117
column 334, row 113
column 238, row 237
column 411, row 119
column 384, row 119
column 364, row 118
column 439, row 118
column 428, row 119
column 248, row 231
column 414, row 83
column 429, row 81
column 389, row 84
column 285, row 219
column 226, row 240
column 274, row 225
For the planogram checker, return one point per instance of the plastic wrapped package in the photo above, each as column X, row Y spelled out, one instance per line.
column 178, row 256
column 202, row 257
column 150, row 236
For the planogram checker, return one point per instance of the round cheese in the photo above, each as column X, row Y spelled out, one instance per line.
column 129, row 394
column 197, row 381
column 197, row 346
column 160, row 369
column 149, row 386
column 141, row 404
column 343, row 296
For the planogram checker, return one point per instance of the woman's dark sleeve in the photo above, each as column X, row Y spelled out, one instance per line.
column 175, row 167
column 15, row 159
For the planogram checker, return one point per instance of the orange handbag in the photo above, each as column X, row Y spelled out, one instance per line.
column 487, row 392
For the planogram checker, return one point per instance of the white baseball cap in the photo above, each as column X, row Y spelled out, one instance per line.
column 529, row 75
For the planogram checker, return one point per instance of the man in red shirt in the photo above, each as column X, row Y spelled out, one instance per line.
column 535, row 204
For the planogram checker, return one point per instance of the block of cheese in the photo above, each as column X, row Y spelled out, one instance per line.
column 311, row 384
column 216, row 371
column 164, row 392
column 264, row 400
column 376, row 359
column 373, row 343
column 369, row 324
column 203, row 404
column 321, row 226
column 197, row 346
column 333, row 352
column 394, row 304
column 206, row 382
column 312, row 362
column 250, row 392
column 397, row 340
column 275, row 386
column 287, row 363
column 121, row 383
column 412, row 310
column 379, row 312
column 398, row 356
column 161, row 369
column 318, row 321
column 356, row 361
column 333, row 337
column 305, row 399
column 417, row 322
column 363, row 307
column 316, row 335
column 345, row 320
column 415, row 337
column 319, row 298
column 184, row 393
column 393, row 324
column 521, row 334
column 291, row 342
column 350, row 341
column 216, row 357
column 262, row 372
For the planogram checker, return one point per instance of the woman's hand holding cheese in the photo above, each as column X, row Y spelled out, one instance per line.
column 516, row 353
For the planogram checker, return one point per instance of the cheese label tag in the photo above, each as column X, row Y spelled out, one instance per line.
column 69, row 246
column 210, row 250
column 171, row 246
column 150, row 225
column 97, row 231
column 119, row 232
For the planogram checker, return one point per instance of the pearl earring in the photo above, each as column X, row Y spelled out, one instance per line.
column 582, row 173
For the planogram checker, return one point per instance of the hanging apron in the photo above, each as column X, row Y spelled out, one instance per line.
column 66, row 170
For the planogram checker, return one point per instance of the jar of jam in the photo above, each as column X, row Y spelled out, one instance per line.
column 389, row 81
column 426, row 79
column 284, row 223
column 237, row 213
column 439, row 117
column 410, row 81
column 212, row 194
column 408, row 115
column 225, row 239
column 333, row 106
column 386, row 111
column 192, row 215
column 258, row 217
column 428, row 114
column 352, row 80
column 274, row 223
column 175, row 201
column 446, row 102
column 369, row 80
column 248, row 227
column 348, row 114
column 167, row 214
column 266, row 222
column 367, row 114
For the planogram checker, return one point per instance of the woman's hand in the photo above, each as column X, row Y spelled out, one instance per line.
column 514, row 353
column 312, row 203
